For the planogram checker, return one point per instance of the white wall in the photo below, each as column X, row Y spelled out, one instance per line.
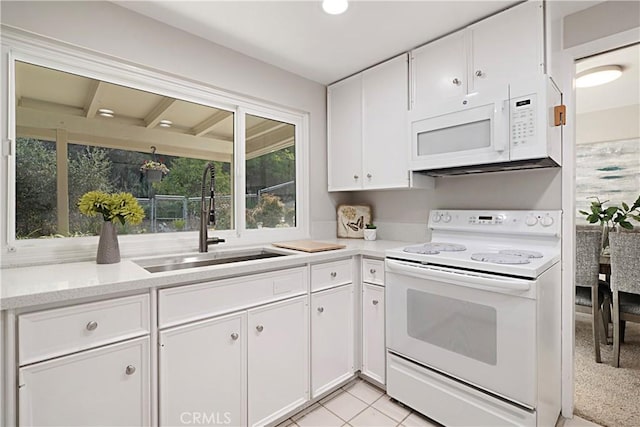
column 608, row 125
column 113, row 30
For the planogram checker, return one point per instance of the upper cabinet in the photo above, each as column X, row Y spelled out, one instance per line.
column 482, row 58
column 368, row 143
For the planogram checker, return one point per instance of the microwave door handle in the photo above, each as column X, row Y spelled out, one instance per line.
column 460, row 279
column 499, row 115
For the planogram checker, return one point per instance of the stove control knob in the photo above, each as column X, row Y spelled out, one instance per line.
column 436, row 217
column 546, row 221
column 531, row 220
column 446, row 218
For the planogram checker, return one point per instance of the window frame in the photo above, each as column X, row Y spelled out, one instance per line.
column 102, row 67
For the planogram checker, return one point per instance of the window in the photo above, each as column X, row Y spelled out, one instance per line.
column 76, row 134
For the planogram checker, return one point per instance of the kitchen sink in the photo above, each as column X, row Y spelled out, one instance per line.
column 182, row 262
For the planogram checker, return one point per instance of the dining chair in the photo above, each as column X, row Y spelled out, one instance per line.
column 588, row 286
column 625, row 283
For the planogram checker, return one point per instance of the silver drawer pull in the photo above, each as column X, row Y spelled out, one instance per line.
column 355, row 177
column 320, row 309
column 372, row 271
column 479, row 73
column 369, row 175
column 234, row 336
column 92, row 326
column 456, row 82
column 375, row 302
column 259, row 328
column 130, row 370
column 333, row 274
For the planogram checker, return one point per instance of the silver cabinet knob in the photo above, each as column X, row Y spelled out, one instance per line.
column 355, row 177
column 479, row 73
column 234, row 336
column 334, row 274
column 375, row 302
column 259, row 328
column 92, row 326
column 372, row 271
column 320, row 309
column 130, row 370
column 369, row 175
column 456, row 81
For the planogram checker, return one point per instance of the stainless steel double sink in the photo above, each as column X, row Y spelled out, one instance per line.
column 182, row 262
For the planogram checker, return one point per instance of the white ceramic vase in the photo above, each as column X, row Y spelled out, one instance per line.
column 369, row 233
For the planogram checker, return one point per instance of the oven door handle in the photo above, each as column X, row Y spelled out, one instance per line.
column 458, row 278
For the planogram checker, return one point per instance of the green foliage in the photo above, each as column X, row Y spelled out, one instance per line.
column 613, row 215
column 269, row 212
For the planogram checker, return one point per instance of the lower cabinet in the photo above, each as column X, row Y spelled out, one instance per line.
column 105, row 386
column 332, row 335
column 373, row 332
column 247, row 368
column 278, row 359
column 203, row 372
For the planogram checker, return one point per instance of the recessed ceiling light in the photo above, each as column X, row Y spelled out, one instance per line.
column 165, row 123
column 105, row 112
column 335, row 7
column 598, row 76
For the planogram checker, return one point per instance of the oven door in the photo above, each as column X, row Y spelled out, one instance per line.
column 472, row 136
column 476, row 327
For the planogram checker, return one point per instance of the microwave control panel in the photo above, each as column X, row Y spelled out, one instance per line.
column 523, row 120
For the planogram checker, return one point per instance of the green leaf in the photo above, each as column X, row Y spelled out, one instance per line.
column 625, row 207
column 611, row 210
column 584, row 213
column 626, row 224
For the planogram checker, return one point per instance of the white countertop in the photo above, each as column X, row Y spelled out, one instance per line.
column 23, row 287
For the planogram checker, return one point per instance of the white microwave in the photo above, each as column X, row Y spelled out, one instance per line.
column 485, row 132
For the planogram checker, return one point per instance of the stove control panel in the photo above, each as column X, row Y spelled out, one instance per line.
column 507, row 222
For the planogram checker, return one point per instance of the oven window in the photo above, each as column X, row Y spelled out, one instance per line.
column 468, row 136
column 463, row 327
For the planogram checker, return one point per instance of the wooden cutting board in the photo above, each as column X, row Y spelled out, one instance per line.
column 309, row 246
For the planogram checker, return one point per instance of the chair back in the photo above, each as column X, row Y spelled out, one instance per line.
column 625, row 261
column 588, row 243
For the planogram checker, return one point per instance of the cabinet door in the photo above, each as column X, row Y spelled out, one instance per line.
column 278, row 357
column 507, row 47
column 344, row 127
column 106, row 386
column 373, row 342
column 385, row 130
column 439, row 71
column 203, row 372
column 331, row 338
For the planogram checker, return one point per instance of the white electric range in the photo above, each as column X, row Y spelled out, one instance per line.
column 473, row 319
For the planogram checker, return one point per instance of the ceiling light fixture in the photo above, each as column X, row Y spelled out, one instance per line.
column 598, row 76
column 335, row 7
column 165, row 123
column 105, row 112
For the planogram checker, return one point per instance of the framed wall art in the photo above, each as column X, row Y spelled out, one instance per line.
column 352, row 219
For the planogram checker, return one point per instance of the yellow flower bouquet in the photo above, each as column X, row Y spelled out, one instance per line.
column 116, row 206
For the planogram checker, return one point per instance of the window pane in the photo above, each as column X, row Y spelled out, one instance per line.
column 36, row 211
column 108, row 131
column 270, row 173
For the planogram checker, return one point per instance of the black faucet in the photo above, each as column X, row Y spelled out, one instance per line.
column 208, row 213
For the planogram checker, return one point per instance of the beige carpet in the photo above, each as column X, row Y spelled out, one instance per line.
column 606, row 395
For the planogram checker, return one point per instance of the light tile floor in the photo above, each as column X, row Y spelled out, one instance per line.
column 358, row 404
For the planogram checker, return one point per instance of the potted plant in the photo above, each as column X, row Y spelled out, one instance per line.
column 370, row 231
column 154, row 170
column 611, row 217
column 121, row 207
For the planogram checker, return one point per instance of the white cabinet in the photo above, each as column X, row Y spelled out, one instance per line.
column 278, row 361
column 368, row 142
column 484, row 57
column 373, row 332
column 203, row 372
column 104, row 386
column 332, row 338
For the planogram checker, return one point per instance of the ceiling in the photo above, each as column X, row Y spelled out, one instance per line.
column 299, row 37
column 618, row 93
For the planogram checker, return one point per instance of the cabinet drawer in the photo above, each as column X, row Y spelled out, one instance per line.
column 373, row 271
column 50, row 333
column 331, row 274
column 187, row 303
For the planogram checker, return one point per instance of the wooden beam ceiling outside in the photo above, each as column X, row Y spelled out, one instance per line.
column 93, row 98
column 155, row 115
column 209, row 123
